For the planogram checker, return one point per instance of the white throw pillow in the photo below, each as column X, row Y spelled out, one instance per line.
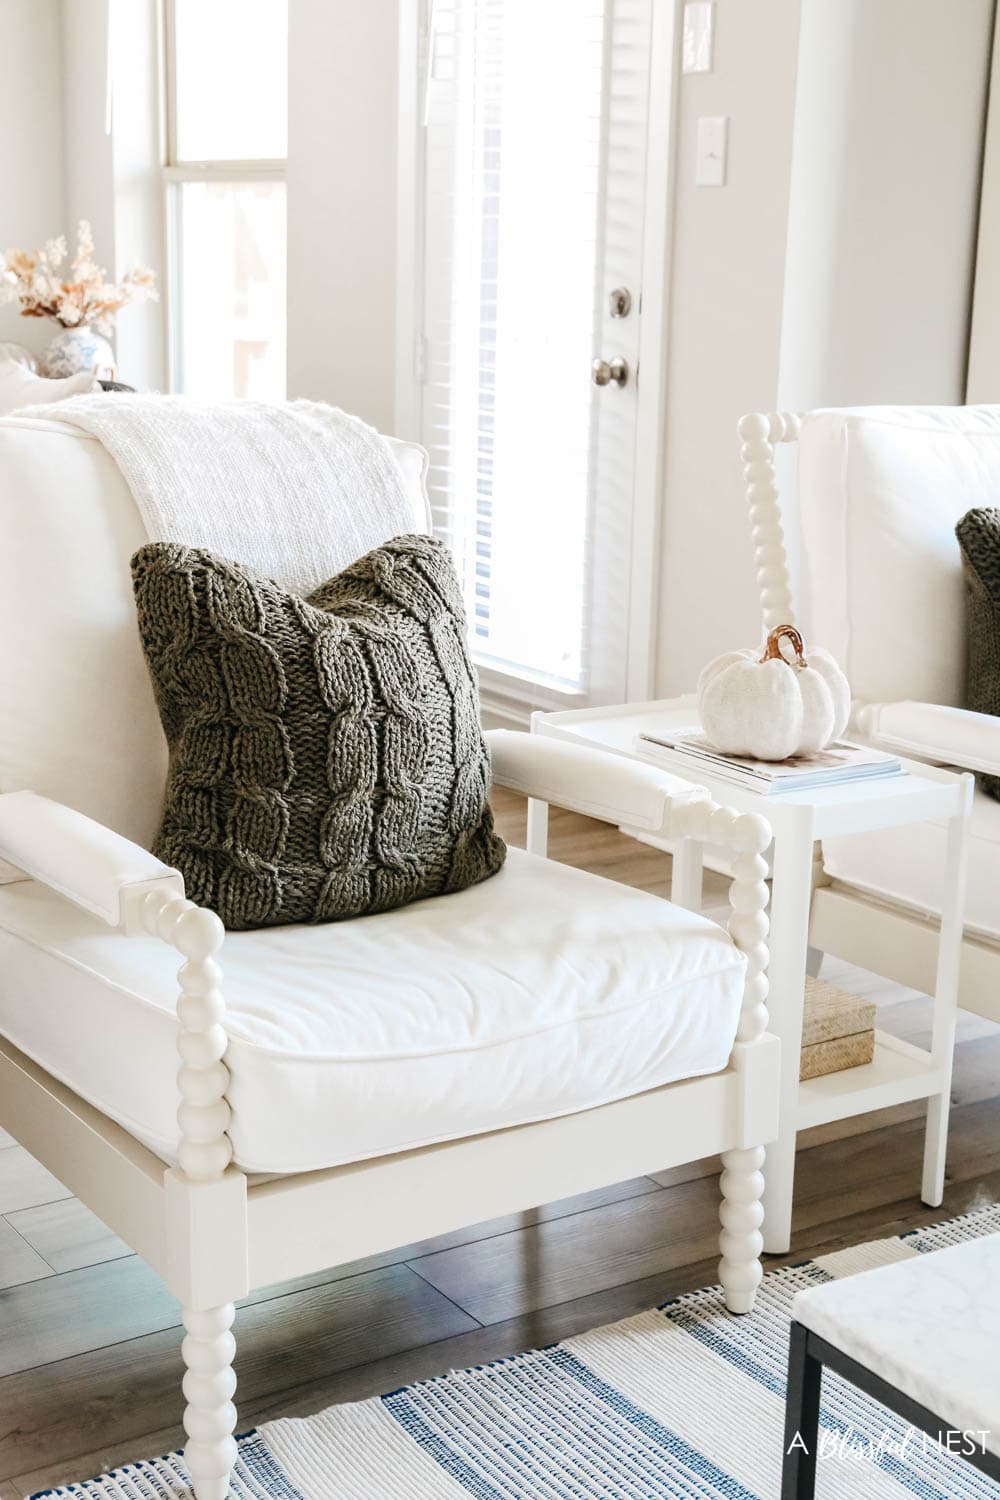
column 19, row 387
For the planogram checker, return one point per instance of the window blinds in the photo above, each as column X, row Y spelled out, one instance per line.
column 533, row 154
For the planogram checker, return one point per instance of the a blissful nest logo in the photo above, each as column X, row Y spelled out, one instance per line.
column 850, row 1446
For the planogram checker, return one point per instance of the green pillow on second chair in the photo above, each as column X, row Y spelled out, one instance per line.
column 326, row 758
column 978, row 535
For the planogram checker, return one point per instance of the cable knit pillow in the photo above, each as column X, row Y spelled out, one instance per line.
column 326, row 759
column 978, row 535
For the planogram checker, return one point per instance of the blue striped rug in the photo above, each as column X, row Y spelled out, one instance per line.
column 683, row 1403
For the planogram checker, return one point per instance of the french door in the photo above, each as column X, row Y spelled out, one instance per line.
column 532, row 233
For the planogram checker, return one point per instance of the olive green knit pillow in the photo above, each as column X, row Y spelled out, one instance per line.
column 978, row 535
column 326, row 759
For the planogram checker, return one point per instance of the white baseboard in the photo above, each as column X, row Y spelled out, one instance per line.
column 501, row 713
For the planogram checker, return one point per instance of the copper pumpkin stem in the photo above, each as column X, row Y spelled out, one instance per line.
column 772, row 651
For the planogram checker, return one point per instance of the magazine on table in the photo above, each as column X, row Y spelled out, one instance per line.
column 841, row 762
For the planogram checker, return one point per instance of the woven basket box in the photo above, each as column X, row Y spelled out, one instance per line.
column 838, row 1030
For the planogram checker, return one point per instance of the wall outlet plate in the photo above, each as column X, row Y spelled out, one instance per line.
column 712, row 150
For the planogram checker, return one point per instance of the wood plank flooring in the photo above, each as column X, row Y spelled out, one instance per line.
column 90, row 1344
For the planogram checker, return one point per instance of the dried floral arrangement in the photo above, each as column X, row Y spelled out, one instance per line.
column 80, row 297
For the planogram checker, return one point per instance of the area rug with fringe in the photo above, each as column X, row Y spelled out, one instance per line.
column 685, row 1402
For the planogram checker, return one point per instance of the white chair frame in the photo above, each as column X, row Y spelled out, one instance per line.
column 214, row 1234
column 876, row 933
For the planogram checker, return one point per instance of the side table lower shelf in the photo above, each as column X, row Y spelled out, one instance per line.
column 897, row 1073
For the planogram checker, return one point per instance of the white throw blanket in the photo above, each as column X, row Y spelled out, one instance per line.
column 206, row 473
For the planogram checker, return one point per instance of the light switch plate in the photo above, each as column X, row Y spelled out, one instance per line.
column 713, row 146
column 699, row 22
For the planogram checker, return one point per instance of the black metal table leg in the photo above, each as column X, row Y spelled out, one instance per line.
column 805, row 1377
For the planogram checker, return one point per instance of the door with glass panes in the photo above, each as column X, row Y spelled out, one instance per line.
column 535, row 118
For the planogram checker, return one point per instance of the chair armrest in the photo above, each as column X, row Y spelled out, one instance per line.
column 594, row 782
column 128, row 887
column 78, row 858
column 933, row 732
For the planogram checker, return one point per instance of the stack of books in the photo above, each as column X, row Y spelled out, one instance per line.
column 686, row 751
column 838, row 1030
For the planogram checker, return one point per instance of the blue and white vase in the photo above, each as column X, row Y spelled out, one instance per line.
column 76, row 349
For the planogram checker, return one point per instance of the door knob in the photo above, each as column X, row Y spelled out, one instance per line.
column 604, row 372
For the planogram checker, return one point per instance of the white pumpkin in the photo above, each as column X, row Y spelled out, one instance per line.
column 771, row 707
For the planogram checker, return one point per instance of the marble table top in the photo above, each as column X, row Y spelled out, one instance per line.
column 929, row 1325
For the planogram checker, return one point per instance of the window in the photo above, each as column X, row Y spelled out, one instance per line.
column 227, row 109
column 530, row 208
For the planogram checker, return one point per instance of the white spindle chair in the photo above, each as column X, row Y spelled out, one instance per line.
column 877, row 570
column 212, row 1228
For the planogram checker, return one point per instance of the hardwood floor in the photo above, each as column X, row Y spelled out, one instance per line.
column 89, row 1355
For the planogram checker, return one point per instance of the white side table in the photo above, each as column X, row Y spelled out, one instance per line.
column 899, row 1071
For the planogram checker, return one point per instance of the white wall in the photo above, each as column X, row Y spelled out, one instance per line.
column 868, row 301
column 31, row 143
column 137, row 155
column 889, row 123
column 59, row 164
column 342, row 86
column 113, row 176
column 984, row 347
column 725, row 298
column 87, row 148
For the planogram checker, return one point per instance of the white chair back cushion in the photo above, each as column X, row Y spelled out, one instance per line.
column 77, row 717
column 879, row 492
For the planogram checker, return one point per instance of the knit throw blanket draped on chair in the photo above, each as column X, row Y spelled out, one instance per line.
column 204, row 473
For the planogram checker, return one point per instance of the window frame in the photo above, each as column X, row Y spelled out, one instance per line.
column 177, row 171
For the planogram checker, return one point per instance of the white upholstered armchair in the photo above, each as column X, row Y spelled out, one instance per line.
column 859, row 549
column 347, row 1088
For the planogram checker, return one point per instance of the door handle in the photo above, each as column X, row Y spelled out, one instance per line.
column 604, row 372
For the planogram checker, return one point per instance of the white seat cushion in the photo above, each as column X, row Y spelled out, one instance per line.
column 540, row 992
column 906, row 865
